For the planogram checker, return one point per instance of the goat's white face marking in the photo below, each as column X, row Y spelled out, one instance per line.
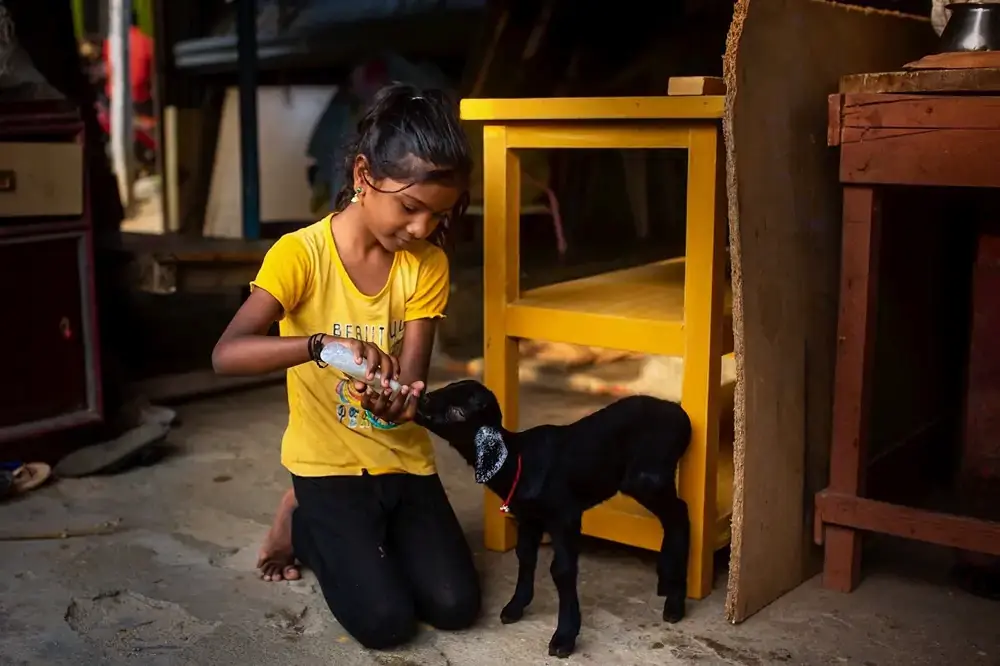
column 491, row 453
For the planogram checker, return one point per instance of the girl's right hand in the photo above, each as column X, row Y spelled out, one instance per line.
column 376, row 359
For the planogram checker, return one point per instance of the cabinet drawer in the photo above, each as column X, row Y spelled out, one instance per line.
column 48, row 378
column 41, row 179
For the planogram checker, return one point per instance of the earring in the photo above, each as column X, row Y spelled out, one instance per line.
column 357, row 191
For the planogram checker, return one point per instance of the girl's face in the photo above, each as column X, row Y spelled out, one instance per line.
column 401, row 214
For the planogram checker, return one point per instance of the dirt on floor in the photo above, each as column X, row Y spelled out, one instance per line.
column 177, row 586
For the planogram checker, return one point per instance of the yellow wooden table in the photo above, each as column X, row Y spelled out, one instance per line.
column 672, row 308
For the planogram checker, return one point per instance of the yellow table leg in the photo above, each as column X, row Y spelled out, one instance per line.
column 703, row 294
column 501, row 285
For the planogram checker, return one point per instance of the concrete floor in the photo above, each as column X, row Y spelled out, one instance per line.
column 177, row 586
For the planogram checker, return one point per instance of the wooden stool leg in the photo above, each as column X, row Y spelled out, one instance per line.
column 704, row 276
column 501, row 285
column 852, row 378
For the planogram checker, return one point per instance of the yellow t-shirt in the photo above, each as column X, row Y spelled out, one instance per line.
column 328, row 432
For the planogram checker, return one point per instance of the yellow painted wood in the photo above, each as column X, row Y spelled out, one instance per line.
column 623, row 520
column 501, row 285
column 590, row 136
column 577, row 109
column 703, row 300
column 677, row 307
column 636, row 309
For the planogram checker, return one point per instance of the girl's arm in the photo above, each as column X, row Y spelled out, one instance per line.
column 415, row 357
column 245, row 348
column 414, row 364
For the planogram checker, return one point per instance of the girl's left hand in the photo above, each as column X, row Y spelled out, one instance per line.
column 398, row 409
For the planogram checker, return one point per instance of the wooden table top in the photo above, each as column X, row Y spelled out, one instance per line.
column 982, row 80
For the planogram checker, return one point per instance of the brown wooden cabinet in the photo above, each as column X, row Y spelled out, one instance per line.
column 50, row 370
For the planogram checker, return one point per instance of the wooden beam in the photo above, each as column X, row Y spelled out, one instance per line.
column 920, row 112
column 978, row 536
column 924, row 80
column 895, row 156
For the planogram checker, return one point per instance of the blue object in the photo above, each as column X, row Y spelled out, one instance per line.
column 246, row 30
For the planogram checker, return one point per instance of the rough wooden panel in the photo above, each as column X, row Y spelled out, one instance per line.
column 924, row 80
column 921, row 111
column 786, row 57
column 956, row 158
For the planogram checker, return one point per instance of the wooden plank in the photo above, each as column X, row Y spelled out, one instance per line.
column 785, row 240
column 852, row 391
column 705, row 107
column 957, row 60
column 867, row 110
column 696, row 85
column 704, row 322
column 924, row 80
column 948, row 158
column 835, row 105
column 501, row 286
column 979, row 536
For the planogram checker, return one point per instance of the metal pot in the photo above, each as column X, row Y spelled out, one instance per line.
column 973, row 26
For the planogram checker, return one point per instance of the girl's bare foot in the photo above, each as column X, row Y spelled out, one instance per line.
column 277, row 560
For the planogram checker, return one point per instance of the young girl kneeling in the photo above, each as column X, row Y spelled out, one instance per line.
column 367, row 512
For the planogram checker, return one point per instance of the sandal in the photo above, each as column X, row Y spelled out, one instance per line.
column 18, row 478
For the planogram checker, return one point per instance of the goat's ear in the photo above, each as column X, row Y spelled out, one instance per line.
column 536, row 463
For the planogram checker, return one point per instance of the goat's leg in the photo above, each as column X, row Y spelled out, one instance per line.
column 672, row 564
column 565, row 562
column 529, row 537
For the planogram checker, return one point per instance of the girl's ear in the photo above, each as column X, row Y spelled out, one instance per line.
column 362, row 174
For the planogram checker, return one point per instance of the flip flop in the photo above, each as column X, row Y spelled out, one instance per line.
column 21, row 478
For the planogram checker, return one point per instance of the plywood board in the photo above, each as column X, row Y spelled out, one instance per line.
column 287, row 116
column 783, row 58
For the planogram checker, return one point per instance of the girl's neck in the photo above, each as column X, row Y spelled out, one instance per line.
column 352, row 236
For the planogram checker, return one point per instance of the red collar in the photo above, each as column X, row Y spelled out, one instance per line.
column 505, row 507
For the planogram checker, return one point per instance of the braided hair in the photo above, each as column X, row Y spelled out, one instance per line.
column 411, row 136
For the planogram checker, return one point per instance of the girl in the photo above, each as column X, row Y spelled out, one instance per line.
column 367, row 512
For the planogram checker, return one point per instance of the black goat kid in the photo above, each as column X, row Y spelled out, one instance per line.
column 550, row 475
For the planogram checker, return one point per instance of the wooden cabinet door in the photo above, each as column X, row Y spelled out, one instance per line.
column 48, row 377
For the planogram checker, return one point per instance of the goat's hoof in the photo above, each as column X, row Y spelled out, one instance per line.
column 561, row 647
column 673, row 611
column 511, row 613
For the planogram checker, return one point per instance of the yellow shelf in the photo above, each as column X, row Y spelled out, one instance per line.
column 577, row 109
column 636, row 309
column 623, row 520
column 677, row 308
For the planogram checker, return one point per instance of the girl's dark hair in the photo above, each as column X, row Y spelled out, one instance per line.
column 411, row 136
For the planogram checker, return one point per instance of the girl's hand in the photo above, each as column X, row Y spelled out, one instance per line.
column 398, row 409
column 378, row 361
